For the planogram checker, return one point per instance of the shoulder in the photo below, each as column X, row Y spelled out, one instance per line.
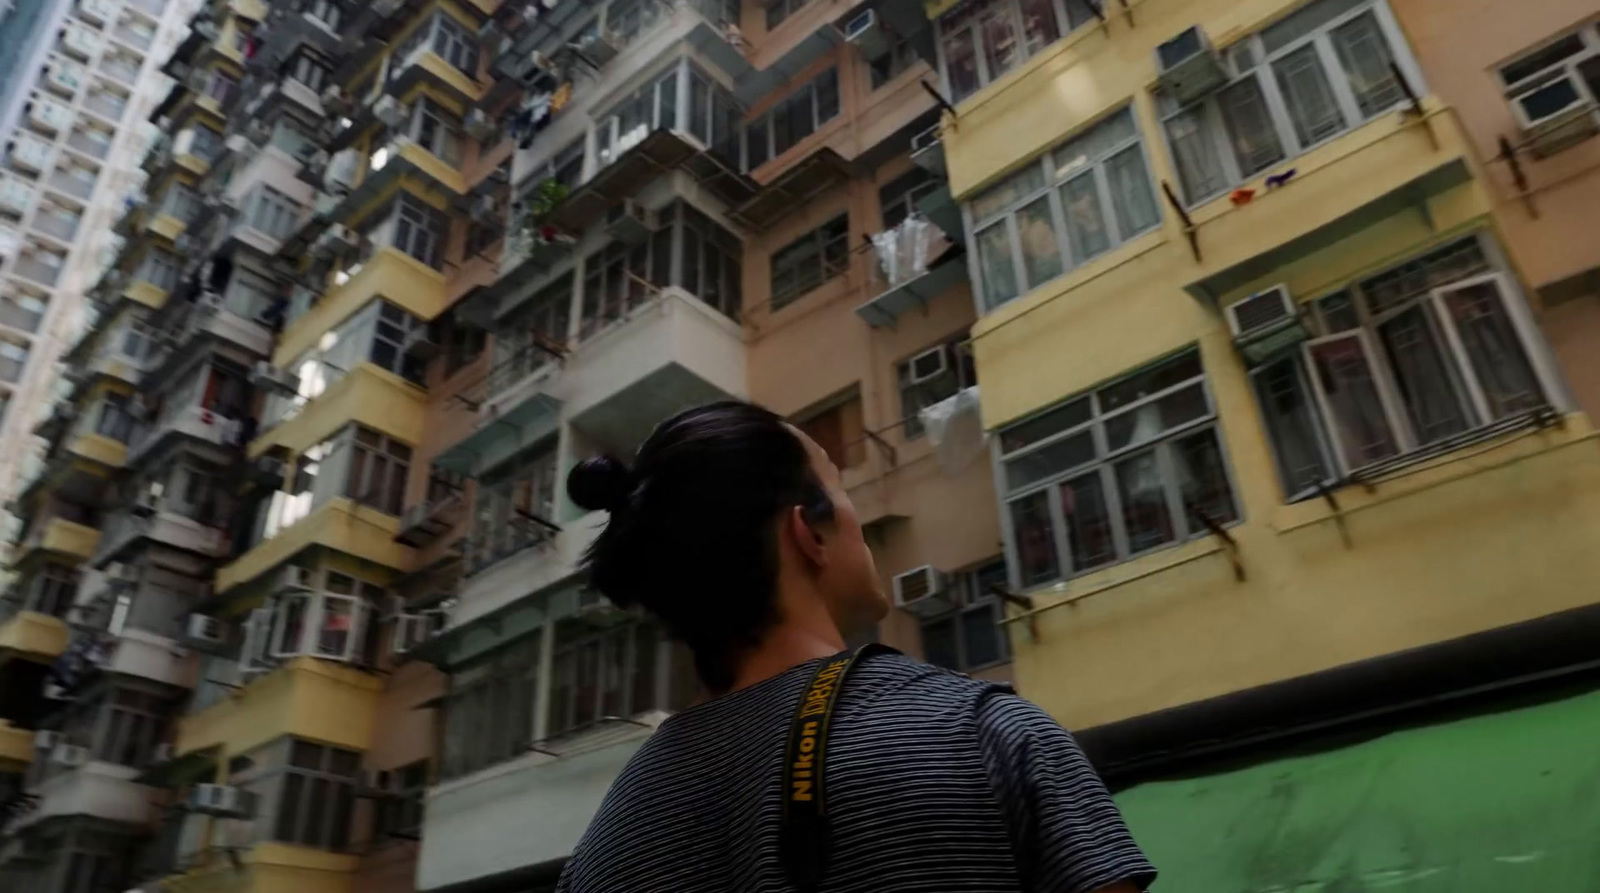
column 890, row 679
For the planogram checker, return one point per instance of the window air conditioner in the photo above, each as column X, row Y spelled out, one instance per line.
column 867, row 34
column 1265, row 323
column 221, row 801
column 480, row 126
column 929, row 364
column 316, row 164
column 923, row 591
column 337, row 239
column 265, row 376
column 296, row 578
column 144, row 506
column 629, row 223
column 1555, row 115
column 389, row 111
column 1189, row 67
column 70, row 755
column 342, row 171
column 46, row 739
column 237, row 143
column 334, row 101
column 927, row 151
column 204, row 632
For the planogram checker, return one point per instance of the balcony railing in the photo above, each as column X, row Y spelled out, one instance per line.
column 105, row 106
column 37, row 270
column 88, row 145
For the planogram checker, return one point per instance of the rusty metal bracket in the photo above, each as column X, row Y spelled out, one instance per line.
column 1025, row 602
column 887, row 448
column 1519, row 177
column 1188, row 224
column 943, row 104
column 1338, row 514
column 1230, row 544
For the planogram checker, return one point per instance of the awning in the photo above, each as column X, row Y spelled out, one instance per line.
column 792, row 189
column 918, row 292
column 658, row 153
column 499, row 438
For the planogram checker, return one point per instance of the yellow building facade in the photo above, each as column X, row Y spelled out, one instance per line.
column 1266, row 392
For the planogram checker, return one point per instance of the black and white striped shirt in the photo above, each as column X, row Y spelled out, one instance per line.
column 935, row 782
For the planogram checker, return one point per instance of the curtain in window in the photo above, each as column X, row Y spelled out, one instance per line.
column 1089, row 538
column 1086, row 223
column 1144, row 502
column 1132, row 197
column 1195, row 154
column 999, row 39
column 1310, row 99
column 994, row 256
column 1039, row 26
column 1291, row 422
column 1250, row 128
column 1367, row 63
column 1036, row 549
column 1493, row 349
column 1041, row 254
column 1344, row 374
column 1432, row 402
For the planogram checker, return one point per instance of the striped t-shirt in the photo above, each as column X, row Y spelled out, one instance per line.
column 935, row 782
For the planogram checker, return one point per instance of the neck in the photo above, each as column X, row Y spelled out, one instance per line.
column 788, row 645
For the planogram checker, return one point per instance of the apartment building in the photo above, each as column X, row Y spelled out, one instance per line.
column 1275, row 338
column 81, row 78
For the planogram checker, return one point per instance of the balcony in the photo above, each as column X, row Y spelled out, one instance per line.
column 61, row 227
column 120, row 70
column 61, row 538
column 98, row 789
column 340, row 525
column 106, row 106
column 146, row 655
column 530, row 811
column 80, row 187
column 307, row 698
column 124, row 532
column 916, row 263
column 194, row 422
column 390, row 274
column 534, row 561
column 133, row 37
column 35, row 637
column 16, row 748
column 214, row 320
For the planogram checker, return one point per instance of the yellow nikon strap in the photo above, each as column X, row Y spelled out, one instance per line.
column 803, row 833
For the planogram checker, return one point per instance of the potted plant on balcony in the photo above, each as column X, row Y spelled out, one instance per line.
column 534, row 233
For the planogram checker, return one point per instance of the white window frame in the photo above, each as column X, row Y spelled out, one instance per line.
column 272, row 213
column 1588, row 35
column 317, row 603
column 445, row 143
column 971, row 599
column 1066, row 23
column 823, row 244
column 1103, row 463
column 1051, row 182
column 1252, row 48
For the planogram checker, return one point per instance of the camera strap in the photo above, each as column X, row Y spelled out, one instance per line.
column 803, row 832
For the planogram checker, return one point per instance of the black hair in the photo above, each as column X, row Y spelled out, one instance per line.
column 691, row 536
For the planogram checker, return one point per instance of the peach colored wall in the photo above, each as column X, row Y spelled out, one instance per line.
column 402, row 734
column 816, row 346
column 1460, row 44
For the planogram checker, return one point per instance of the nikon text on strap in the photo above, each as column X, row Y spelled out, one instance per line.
column 803, row 833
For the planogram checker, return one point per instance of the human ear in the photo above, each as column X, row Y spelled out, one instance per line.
column 807, row 540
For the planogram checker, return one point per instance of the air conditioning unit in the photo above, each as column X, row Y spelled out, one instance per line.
column 118, row 572
column 162, row 753
column 868, row 36
column 389, row 111
column 337, row 239
column 486, row 210
column 258, row 132
column 237, row 143
column 334, row 102
column 927, row 151
column 316, row 163
column 265, row 376
column 1265, row 323
column 70, row 755
column 295, row 578
column 46, row 739
column 205, row 633
column 342, row 168
column 629, row 222
column 1189, row 67
column 480, row 126
column 144, row 506
column 1555, row 115
column 421, row 344
column 535, row 72
column 222, row 801
column 924, row 591
column 929, row 364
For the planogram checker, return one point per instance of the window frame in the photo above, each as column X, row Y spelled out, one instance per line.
column 819, row 243
column 571, row 638
column 378, row 470
column 420, row 231
column 958, row 359
column 1065, row 24
column 973, row 600
column 1274, row 103
column 323, row 796
column 1588, row 34
column 810, row 93
column 1103, row 464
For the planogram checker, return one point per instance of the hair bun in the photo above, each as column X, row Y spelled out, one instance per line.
column 601, row 483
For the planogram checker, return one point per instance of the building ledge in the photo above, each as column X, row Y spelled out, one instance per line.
column 341, row 525
column 16, row 748
column 142, row 292
column 306, row 697
column 390, row 274
column 368, row 395
column 34, row 636
column 99, row 448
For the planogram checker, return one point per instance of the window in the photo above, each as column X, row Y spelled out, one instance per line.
column 513, row 511
column 308, row 71
column 709, row 262
column 419, row 230
column 378, row 469
column 327, row 12
column 52, row 590
column 133, row 723
column 1557, row 76
column 1311, row 76
column 436, row 130
column 617, row 279
column 1089, row 195
column 969, row 637
column 792, row 119
column 810, row 260
column 273, row 213
column 455, row 44
column 900, row 57
column 463, row 344
column 688, row 250
column 1398, row 362
column 979, row 40
column 627, row 19
column 525, row 344
column 221, row 87
column 778, row 10
column 839, row 430
column 566, row 166
column 207, row 143
column 391, row 330
column 488, row 715
column 317, row 796
column 160, row 269
column 180, row 202
column 597, row 674
column 331, row 623
column 652, row 107
column 898, row 198
column 1126, row 468
column 401, row 813
column 958, row 374
column 114, row 421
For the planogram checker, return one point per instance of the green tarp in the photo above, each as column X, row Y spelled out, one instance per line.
column 1498, row 803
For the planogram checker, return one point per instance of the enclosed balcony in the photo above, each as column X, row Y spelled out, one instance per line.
column 69, row 534
column 206, row 404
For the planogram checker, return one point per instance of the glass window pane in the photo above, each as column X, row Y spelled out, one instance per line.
column 1086, row 222
column 1426, row 385
column 1306, row 92
column 1144, row 502
column 1142, row 384
column 1367, row 64
column 1039, row 26
column 827, row 87
column 1062, row 418
column 588, row 687
column 1041, row 254
column 338, row 619
column 961, row 63
column 981, row 636
column 1251, row 130
column 289, row 808
column 1035, row 538
column 939, row 643
column 1202, row 479
column 1089, row 538
column 1291, row 423
column 999, row 274
column 1152, row 419
column 1000, row 48
column 1195, row 154
column 1132, row 197
column 1344, row 373
column 1063, row 455
column 318, row 812
column 1493, row 348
